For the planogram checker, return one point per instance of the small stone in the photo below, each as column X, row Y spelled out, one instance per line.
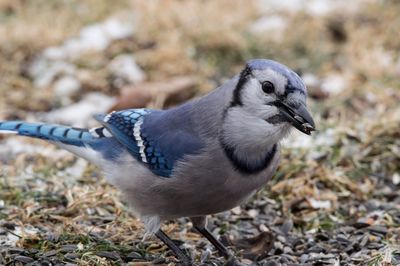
column 342, row 238
column 16, row 250
column 287, row 250
column 281, row 239
column 252, row 213
column 263, row 228
column 68, row 248
column 237, row 210
column 278, row 245
column 375, row 245
column 378, row 229
column 50, row 253
column 364, row 240
column 286, row 226
column 109, row 255
column 304, row 258
column 244, row 261
column 45, row 262
column 271, row 263
column 396, row 179
column 346, row 229
column 316, row 249
column 33, row 251
column 372, row 205
column 23, row 259
column 134, row 256
column 71, row 256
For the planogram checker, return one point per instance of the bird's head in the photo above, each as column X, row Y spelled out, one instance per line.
column 269, row 91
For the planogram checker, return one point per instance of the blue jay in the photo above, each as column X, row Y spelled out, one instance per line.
column 202, row 157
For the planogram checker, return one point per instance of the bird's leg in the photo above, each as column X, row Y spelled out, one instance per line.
column 173, row 247
column 217, row 244
column 200, row 223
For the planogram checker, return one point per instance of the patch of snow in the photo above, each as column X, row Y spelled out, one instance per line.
column 333, row 84
column 55, row 61
column 310, row 80
column 271, row 6
column 321, row 7
column 297, row 140
column 66, row 86
column 11, row 238
column 45, row 72
column 300, row 140
column 117, row 29
column 17, row 145
column 80, row 113
column 125, row 69
column 92, row 38
column 312, row 7
column 326, row 138
column 275, row 25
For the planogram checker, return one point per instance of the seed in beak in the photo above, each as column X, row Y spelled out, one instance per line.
column 308, row 127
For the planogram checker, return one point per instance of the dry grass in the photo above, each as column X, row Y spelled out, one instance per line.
column 196, row 36
column 27, row 27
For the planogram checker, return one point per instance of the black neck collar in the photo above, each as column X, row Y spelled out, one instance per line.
column 249, row 167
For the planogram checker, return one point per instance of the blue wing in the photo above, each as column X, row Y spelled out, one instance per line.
column 156, row 138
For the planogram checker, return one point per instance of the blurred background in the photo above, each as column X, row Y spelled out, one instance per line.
column 335, row 199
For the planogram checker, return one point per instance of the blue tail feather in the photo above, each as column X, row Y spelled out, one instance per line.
column 57, row 133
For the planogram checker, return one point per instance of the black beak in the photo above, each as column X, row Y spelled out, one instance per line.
column 299, row 117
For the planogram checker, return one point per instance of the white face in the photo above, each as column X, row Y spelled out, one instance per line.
column 255, row 100
column 260, row 114
column 268, row 101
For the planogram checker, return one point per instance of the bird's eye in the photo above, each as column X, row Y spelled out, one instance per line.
column 268, row 87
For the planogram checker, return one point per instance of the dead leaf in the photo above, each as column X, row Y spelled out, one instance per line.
column 257, row 247
column 163, row 93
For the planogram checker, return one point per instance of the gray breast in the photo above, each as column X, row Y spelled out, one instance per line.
column 207, row 183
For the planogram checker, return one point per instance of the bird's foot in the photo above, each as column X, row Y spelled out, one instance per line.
column 184, row 259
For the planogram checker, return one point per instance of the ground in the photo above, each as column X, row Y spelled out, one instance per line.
column 335, row 198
